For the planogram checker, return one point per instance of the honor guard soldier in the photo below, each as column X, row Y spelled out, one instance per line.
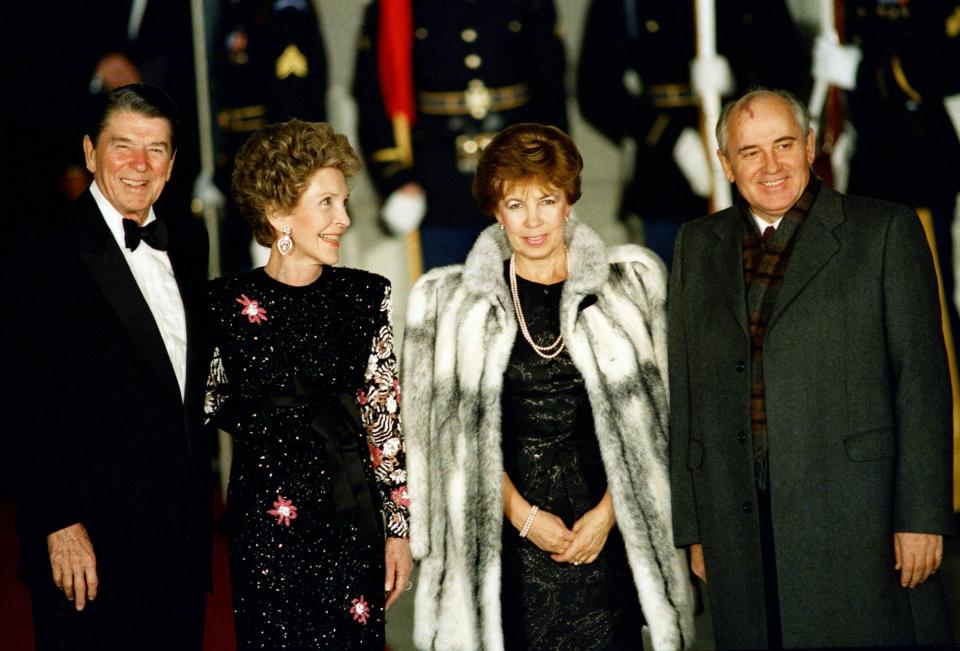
column 105, row 44
column 435, row 80
column 271, row 65
column 634, row 83
column 902, row 61
column 900, row 68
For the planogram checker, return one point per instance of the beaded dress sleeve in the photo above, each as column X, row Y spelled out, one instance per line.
column 218, row 389
column 380, row 412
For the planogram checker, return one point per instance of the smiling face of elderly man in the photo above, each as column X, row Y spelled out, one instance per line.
column 767, row 154
column 131, row 161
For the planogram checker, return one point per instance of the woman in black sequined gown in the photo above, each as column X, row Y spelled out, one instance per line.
column 304, row 378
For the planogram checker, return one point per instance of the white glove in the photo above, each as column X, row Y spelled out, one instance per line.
column 952, row 104
column 691, row 157
column 841, row 155
column 206, row 191
column 835, row 63
column 404, row 209
column 711, row 75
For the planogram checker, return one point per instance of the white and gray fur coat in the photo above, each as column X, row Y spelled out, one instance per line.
column 458, row 338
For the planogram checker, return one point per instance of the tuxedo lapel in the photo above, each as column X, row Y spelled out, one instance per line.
column 815, row 245
column 192, row 294
column 105, row 261
column 727, row 258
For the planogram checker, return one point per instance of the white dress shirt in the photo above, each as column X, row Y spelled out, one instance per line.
column 763, row 223
column 154, row 275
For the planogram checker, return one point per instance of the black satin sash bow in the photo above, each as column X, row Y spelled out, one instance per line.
column 338, row 427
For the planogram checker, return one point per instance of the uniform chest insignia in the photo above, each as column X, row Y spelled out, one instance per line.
column 299, row 5
column 237, row 47
column 893, row 9
column 292, row 62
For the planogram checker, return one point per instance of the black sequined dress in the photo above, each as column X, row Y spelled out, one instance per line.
column 291, row 365
column 551, row 454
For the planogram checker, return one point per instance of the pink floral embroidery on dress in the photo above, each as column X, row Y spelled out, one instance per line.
column 376, row 455
column 283, row 510
column 251, row 309
column 360, row 610
column 399, row 497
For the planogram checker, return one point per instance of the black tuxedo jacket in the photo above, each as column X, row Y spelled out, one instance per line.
column 101, row 433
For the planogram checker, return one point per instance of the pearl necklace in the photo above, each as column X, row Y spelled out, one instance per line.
column 546, row 352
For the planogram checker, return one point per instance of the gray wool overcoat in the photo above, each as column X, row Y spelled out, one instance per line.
column 459, row 332
column 858, row 412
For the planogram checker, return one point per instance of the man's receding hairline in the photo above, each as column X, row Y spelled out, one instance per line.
column 746, row 107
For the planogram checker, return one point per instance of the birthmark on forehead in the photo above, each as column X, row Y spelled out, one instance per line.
column 747, row 110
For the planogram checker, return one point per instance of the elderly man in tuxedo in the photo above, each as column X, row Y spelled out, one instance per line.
column 810, row 449
column 113, row 486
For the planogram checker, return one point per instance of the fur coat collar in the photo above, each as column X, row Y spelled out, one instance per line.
column 459, row 334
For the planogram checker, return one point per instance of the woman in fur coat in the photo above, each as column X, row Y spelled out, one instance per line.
column 536, row 410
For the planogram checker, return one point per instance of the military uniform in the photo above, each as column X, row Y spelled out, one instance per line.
column 478, row 66
column 270, row 65
column 906, row 148
column 60, row 59
column 633, row 82
column 911, row 60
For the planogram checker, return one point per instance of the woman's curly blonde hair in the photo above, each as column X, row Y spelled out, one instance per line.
column 275, row 164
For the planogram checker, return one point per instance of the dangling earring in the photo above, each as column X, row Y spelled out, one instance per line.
column 285, row 243
column 501, row 226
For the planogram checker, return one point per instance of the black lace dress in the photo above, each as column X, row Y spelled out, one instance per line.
column 305, row 380
column 551, row 455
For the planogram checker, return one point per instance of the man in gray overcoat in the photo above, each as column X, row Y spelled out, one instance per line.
column 810, row 406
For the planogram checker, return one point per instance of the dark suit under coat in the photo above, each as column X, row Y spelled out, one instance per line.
column 858, row 415
column 104, row 437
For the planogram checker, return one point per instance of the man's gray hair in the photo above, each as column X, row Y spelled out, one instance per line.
column 800, row 112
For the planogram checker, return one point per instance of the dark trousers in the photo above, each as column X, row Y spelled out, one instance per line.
column 152, row 618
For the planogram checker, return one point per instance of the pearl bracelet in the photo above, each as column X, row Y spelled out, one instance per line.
column 526, row 525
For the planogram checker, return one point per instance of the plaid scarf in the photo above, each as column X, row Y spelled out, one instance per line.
column 763, row 269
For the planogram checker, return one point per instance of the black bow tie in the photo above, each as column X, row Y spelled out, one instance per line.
column 154, row 234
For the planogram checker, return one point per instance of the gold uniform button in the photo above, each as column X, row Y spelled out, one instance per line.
column 653, row 26
column 469, row 35
column 421, row 33
column 514, row 26
column 472, row 61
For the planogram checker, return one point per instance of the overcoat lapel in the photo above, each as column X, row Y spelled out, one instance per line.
column 727, row 258
column 105, row 260
column 815, row 245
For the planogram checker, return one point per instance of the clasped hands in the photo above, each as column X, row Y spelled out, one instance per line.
column 580, row 544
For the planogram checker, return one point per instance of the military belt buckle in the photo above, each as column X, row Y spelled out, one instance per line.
column 468, row 150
